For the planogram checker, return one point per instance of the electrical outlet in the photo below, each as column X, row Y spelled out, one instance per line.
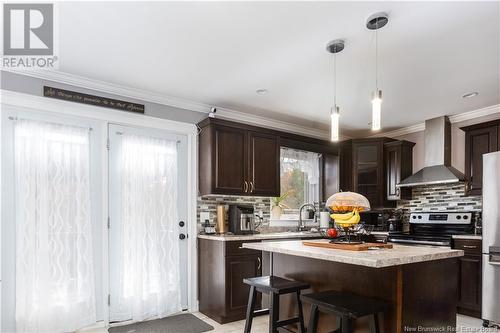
column 204, row 216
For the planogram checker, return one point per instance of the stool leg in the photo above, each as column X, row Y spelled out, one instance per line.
column 376, row 322
column 250, row 309
column 347, row 325
column 301, row 314
column 312, row 327
column 274, row 312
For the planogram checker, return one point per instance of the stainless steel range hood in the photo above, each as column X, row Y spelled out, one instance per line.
column 438, row 169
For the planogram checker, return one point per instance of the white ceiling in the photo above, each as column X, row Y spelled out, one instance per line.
column 220, row 53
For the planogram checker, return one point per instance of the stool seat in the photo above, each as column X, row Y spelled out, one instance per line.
column 346, row 304
column 275, row 284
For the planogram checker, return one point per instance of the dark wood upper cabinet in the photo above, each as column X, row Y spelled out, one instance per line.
column 264, row 161
column 479, row 139
column 240, row 159
column 329, row 175
column 373, row 167
column 398, row 166
column 368, row 170
column 241, row 162
column 230, row 160
column 345, row 166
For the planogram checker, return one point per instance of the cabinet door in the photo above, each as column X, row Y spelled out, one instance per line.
column 230, row 160
column 478, row 142
column 264, row 164
column 469, row 297
column 393, row 176
column 237, row 269
column 368, row 165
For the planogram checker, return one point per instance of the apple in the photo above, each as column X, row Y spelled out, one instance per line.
column 332, row 233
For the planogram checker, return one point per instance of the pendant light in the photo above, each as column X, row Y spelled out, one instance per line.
column 334, row 47
column 375, row 22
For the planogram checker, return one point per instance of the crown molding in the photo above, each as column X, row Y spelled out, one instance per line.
column 147, row 96
column 489, row 110
column 401, row 131
column 469, row 115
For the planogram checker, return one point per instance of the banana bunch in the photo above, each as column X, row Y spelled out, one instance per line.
column 347, row 219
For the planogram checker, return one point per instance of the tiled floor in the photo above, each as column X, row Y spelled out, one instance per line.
column 464, row 324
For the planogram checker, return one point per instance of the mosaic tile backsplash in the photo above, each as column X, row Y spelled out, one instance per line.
column 444, row 197
column 209, row 204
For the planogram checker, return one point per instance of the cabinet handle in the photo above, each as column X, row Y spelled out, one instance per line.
column 260, row 263
column 470, row 246
column 251, row 187
column 245, row 187
column 468, row 186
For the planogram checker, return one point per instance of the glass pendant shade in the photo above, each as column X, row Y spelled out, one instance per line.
column 334, row 126
column 377, row 110
column 347, row 202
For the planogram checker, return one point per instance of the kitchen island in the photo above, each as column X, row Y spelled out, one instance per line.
column 420, row 282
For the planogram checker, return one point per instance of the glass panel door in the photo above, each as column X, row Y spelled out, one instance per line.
column 147, row 253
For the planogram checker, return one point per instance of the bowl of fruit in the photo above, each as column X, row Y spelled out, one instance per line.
column 345, row 208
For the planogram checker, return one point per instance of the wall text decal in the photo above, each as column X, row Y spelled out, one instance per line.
column 73, row 96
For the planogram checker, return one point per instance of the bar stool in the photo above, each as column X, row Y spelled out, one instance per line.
column 274, row 286
column 346, row 306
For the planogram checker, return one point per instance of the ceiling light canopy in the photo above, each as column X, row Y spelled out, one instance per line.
column 334, row 47
column 262, row 91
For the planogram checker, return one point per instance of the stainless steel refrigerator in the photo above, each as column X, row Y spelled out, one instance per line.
column 491, row 238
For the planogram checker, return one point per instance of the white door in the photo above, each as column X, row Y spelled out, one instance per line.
column 51, row 223
column 147, row 208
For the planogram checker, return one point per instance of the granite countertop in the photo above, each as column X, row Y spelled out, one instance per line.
column 398, row 255
column 471, row 236
column 263, row 236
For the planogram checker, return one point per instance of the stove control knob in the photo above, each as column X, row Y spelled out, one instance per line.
column 414, row 217
column 466, row 217
column 420, row 217
column 459, row 217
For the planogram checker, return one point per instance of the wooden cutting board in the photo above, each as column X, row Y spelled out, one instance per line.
column 349, row 247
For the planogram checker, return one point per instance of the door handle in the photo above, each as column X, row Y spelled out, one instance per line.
column 245, row 187
column 260, row 263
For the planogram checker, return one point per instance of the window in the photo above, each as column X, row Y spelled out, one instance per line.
column 299, row 172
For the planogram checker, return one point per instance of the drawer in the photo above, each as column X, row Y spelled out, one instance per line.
column 233, row 248
column 469, row 246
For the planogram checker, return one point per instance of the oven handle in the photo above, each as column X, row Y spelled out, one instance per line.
column 395, row 240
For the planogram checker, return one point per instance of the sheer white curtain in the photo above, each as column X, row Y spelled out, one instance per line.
column 308, row 163
column 149, row 271
column 54, row 264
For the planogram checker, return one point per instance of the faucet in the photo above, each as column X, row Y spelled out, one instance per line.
column 301, row 226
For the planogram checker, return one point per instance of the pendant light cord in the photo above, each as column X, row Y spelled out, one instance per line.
column 334, row 81
column 376, row 59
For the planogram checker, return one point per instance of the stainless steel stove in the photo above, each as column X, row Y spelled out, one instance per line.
column 434, row 228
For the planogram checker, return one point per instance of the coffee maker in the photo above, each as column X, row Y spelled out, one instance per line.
column 241, row 219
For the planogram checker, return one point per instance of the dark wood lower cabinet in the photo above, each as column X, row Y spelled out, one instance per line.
column 237, row 269
column 222, row 266
column 469, row 282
